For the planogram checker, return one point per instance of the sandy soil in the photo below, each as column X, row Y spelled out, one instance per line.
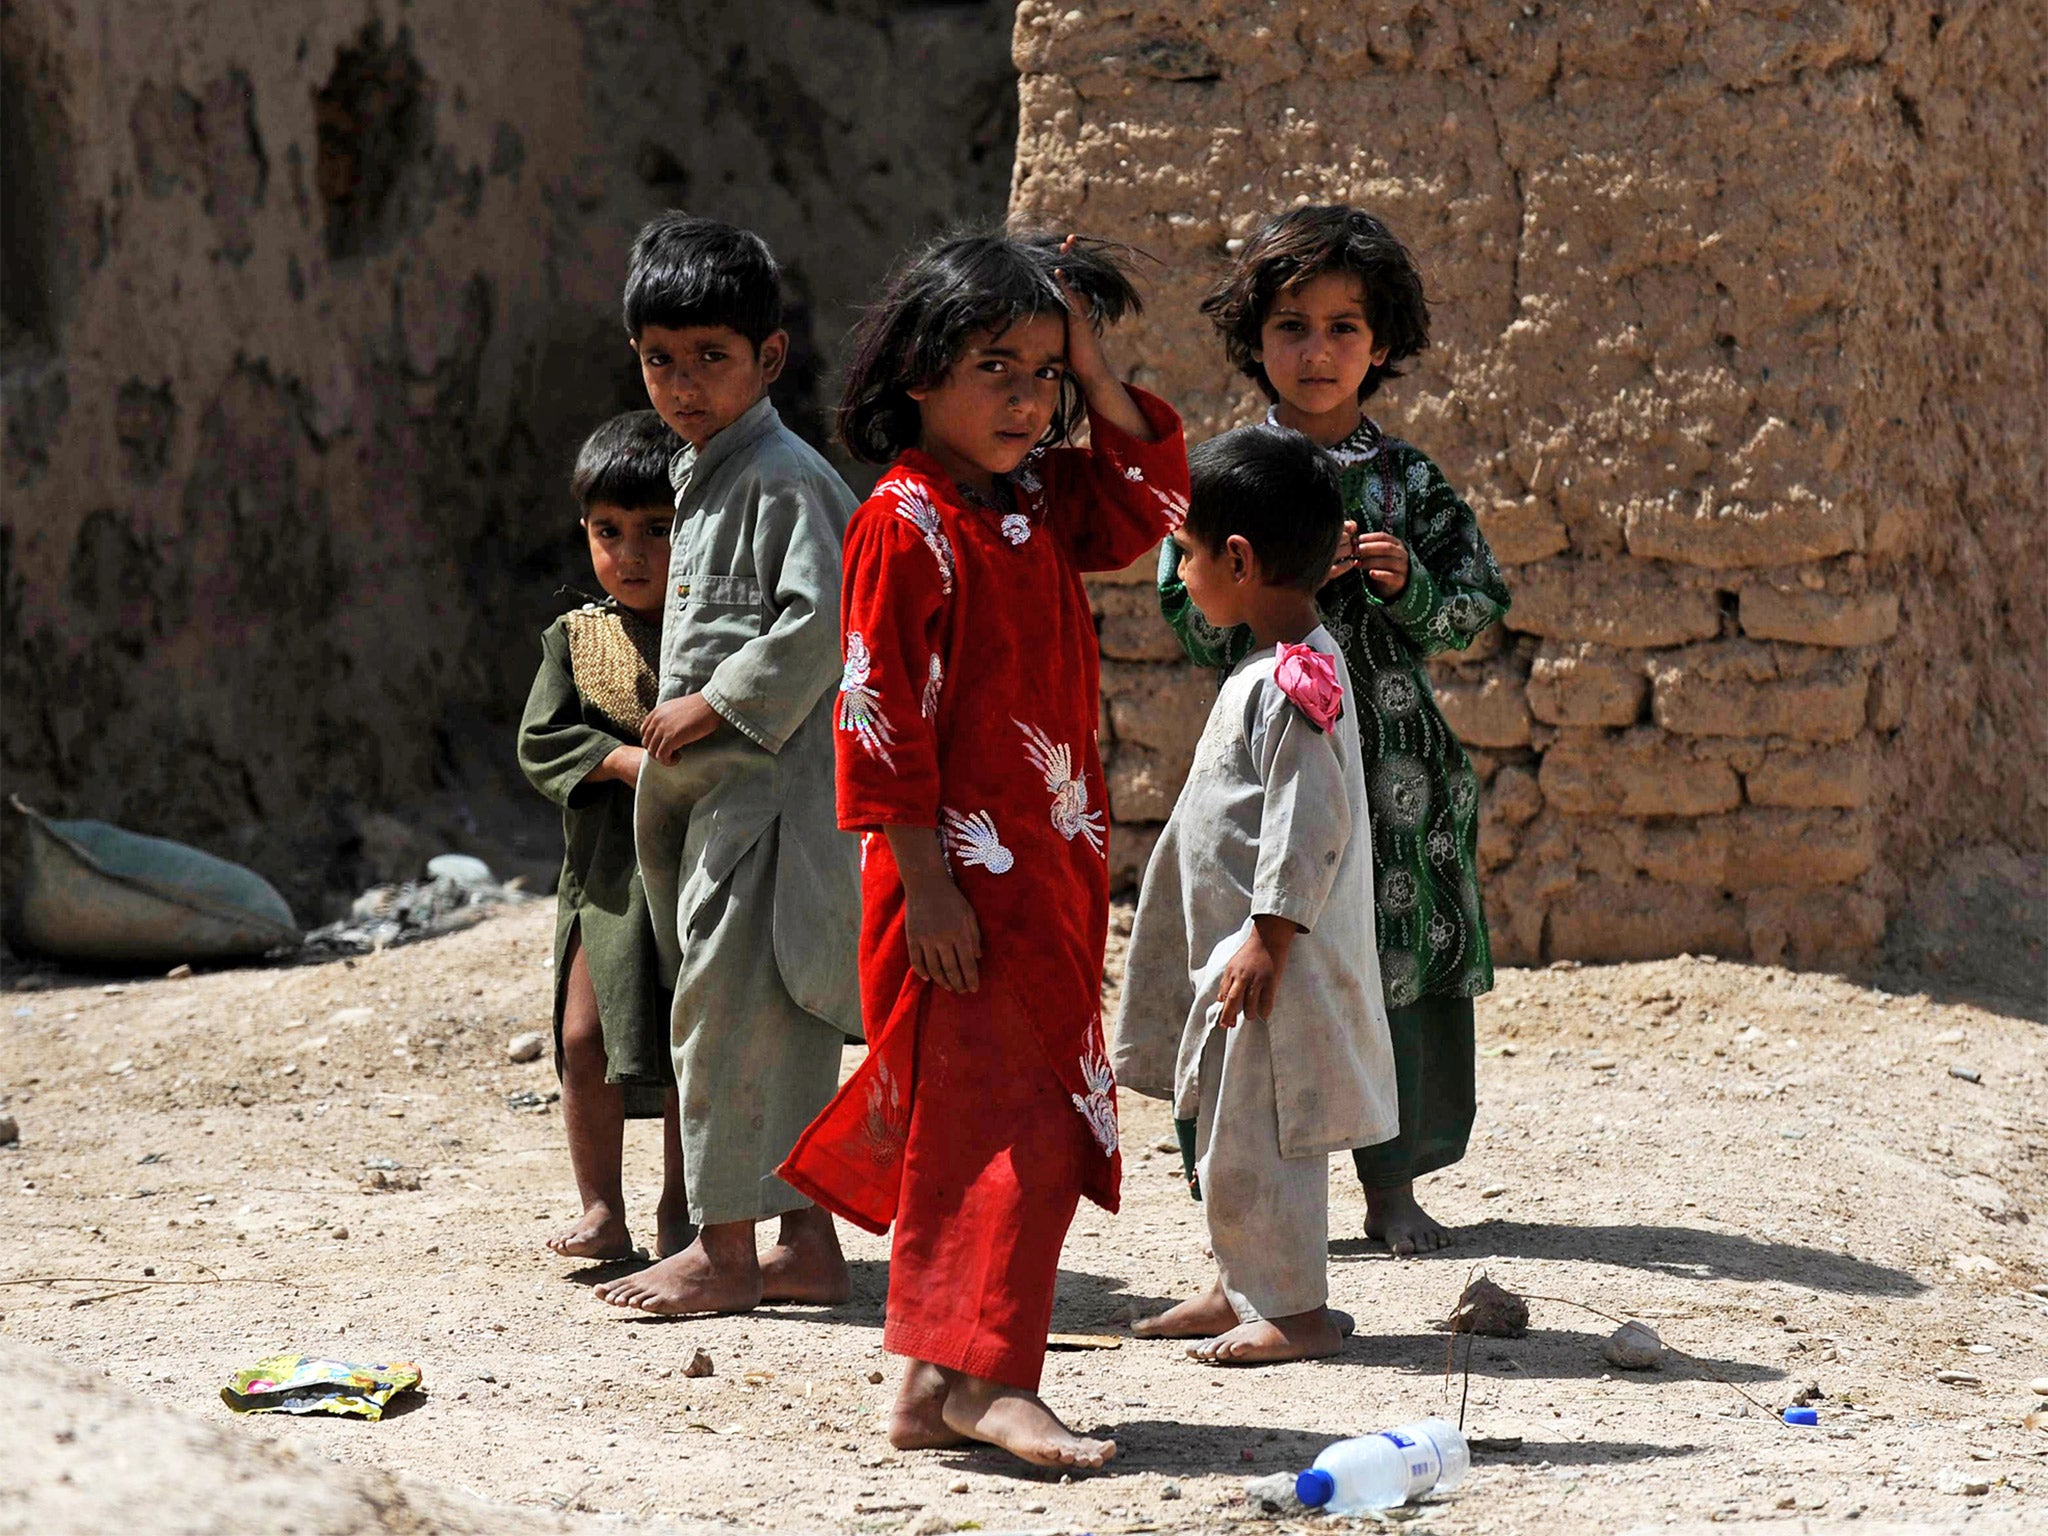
column 1782, row 1173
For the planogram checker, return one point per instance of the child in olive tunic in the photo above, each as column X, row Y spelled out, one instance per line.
column 1319, row 307
column 580, row 745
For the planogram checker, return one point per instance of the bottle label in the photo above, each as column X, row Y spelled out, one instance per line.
column 1425, row 1465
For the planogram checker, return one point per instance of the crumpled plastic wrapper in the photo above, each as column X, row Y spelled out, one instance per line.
column 309, row 1384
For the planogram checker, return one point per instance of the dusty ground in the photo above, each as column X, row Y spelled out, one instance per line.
column 1779, row 1171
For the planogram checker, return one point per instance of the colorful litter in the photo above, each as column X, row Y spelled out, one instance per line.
column 308, row 1384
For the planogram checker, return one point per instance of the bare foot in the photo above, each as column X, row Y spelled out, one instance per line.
column 1203, row 1318
column 1304, row 1336
column 918, row 1421
column 599, row 1233
column 1018, row 1422
column 673, row 1225
column 805, row 1264
column 1392, row 1216
column 713, row 1274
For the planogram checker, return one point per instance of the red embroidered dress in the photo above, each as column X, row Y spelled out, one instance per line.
column 969, row 704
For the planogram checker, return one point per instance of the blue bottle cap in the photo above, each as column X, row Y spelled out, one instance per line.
column 1315, row 1487
column 1801, row 1416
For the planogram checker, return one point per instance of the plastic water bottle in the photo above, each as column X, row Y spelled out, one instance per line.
column 1395, row 1466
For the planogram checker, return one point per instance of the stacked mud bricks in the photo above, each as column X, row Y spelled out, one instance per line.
column 1738, row 347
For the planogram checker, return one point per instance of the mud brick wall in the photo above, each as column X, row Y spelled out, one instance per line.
column 306, row 307
column 1739, row 340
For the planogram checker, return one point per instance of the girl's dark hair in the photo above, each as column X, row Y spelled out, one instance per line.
column 1277, row 491
column 943, row 294
column 685, row 270
column 624, row 463
column 1307, row 242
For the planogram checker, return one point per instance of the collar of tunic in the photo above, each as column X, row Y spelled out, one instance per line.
column 690, row 465
column 1359, row 446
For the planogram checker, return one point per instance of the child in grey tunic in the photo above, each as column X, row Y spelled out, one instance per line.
column 1252, row 997
column 752, row 889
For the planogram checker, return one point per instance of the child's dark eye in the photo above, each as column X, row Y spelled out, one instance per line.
column 1052, row 373
column 715, row 357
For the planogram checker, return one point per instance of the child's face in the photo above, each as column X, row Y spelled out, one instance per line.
column 702, row 378
column 1316, row 344
column 629, row 554
column 1217, row 579
column 994, row 403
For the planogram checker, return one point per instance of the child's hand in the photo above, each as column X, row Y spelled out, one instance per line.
column 939, row 925
column 677, row 724
column 1347, row 552
column 1385, row 560
column 943, row 934
column 1085, row 356
column 1252, row 977
column 621, row 765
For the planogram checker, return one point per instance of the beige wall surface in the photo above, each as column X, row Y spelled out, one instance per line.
column 306, row 308
column 1740, row 336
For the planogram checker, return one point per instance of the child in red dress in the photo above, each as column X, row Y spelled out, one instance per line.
column 968, row 761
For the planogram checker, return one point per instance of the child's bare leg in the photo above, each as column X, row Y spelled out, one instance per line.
column 672, row 1216
column 1203, row 1318
column 805, row 1264
column 918, row 1421
column 1392, row 1216
column 1018, row 1422
column 1269, row 1340
column 594, row 1113
column 719, row 1272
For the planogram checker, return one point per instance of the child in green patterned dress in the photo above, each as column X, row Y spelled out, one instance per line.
column 1320, row 307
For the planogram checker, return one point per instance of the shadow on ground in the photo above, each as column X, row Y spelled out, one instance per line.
column 1085, row 1303
column 1690, row 1253
column 1188, row 1450
column 1553, row 1354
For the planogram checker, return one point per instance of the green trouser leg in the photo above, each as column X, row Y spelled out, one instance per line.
column 1433, row 1070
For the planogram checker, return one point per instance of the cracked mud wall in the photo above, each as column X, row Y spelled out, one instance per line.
column 1738, row 349
column 306, row 308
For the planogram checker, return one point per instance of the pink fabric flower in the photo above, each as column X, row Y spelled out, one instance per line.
column 1309, row 678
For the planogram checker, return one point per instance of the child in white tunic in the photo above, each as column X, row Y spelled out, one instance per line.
column 1252, row 997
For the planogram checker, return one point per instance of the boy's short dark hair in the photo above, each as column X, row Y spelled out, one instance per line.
column 941, row 295
column 624, row 463
column 1276, row 490
column 686, row 270
column 1305, row 243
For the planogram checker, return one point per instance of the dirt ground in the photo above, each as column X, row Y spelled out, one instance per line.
column 1802, row 1181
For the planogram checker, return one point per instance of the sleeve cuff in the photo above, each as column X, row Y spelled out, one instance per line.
column 1159, row 416
column 1417, row 600
column 580, row 790
column 730, row 712
column 1296, row 909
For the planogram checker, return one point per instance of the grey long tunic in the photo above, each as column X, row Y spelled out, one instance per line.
column 752, row 623
column 1272, row 820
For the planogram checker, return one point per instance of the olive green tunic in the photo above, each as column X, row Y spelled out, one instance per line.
column 562, row 737
column 1435, row 956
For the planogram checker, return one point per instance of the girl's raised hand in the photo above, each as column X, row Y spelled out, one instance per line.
column 1085, row 356
column 1103, row 390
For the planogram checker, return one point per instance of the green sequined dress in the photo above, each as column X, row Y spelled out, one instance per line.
column 1435, row 956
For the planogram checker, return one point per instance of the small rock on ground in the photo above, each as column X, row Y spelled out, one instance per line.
column 1634, row 1347
column 526, row 1047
